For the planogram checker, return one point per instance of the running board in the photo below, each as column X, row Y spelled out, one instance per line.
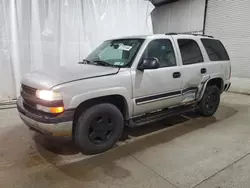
column 159, row 115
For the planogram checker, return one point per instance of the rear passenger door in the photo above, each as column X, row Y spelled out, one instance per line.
column 192, row 68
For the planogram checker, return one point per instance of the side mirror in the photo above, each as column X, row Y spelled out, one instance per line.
column 148, row 63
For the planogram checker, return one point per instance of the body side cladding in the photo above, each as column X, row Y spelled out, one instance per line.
column 154, row 98
column 163, row 96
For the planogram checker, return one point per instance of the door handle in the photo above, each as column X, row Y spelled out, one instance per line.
column 176, row 75
column 203, row 70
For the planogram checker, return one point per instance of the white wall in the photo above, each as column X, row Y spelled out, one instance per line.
column 180, row 16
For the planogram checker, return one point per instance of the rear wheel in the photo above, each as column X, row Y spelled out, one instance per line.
column 98, row 128
column 209, row 102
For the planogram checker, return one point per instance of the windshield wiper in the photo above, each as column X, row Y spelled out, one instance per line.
column 85, row 61
column 103, row 63
column 97, row 62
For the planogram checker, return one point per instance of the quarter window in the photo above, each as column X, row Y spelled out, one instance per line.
column 215, row 50
column 190, row 51
column 161, row 49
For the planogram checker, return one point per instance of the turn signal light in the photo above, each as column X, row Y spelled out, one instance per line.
column 56, row 110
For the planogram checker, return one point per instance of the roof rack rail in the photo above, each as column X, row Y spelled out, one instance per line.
column 172, row 33
column 195, row 34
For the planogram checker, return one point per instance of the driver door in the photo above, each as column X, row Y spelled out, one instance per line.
column 155, row 89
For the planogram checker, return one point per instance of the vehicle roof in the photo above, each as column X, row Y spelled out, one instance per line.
column 174, row 35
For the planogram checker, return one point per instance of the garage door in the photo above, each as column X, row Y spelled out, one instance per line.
column 181, row 17
column 230, row 21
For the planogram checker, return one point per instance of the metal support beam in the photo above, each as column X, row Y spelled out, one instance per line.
column 205, row 17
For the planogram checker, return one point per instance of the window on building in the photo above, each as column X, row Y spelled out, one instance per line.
column 161, row 49
column 190, row 51
column 215, row 50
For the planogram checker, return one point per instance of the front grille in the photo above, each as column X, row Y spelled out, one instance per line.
column 30, row 101
column 28, row 94
column 32, row 109
column 29, row 90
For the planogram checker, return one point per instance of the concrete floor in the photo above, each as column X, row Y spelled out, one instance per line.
column 182, row 151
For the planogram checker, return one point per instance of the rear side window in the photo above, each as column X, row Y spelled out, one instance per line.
column 190, row 51
column 215, row 50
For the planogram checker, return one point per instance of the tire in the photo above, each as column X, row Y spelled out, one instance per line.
column 209, row 102
column 98, row 128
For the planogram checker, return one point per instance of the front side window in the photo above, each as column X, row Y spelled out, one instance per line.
column 161, row 49
column 190, row 51
column 215, row 50
column 119, row 53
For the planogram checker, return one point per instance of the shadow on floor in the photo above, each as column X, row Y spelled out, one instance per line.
column 111, row 163
column 65, row 146
column 57, row 145
column 153, row 127
column 163, row 131
column 98, row 167
column 173, row 131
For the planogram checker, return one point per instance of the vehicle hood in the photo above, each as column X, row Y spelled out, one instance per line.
column 46, row 79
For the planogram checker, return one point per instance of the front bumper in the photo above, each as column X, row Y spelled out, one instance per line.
column 60, row 125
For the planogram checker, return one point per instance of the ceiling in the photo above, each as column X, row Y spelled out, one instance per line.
column 162, row 2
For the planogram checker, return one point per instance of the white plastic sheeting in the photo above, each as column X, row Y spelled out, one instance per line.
column 39, row 34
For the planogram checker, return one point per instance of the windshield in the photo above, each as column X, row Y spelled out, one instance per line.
column 118, row 53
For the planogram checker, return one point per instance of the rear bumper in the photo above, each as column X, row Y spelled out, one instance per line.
column 60, row 125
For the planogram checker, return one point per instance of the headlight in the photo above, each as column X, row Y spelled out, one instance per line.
column 48, row 95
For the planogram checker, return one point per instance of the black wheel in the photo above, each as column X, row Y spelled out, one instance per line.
column 98, row 128
column 209, row 102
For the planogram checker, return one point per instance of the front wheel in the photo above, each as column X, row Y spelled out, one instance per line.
column 209, row 102
column 98, row 128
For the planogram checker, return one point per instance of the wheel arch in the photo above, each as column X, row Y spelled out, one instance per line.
column 118, row 100
column 218, row 81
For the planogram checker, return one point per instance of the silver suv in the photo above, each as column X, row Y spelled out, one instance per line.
column 128, row 81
